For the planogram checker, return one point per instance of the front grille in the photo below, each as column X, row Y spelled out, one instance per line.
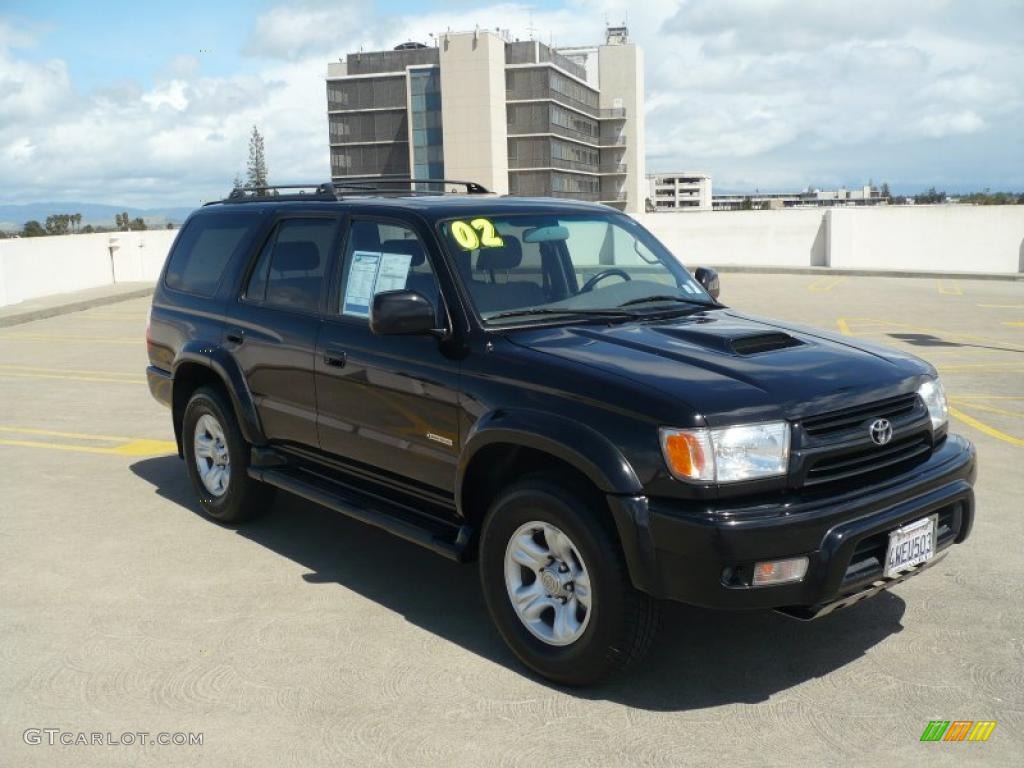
column 869, row 555
column 862, row 461
column 893, row 409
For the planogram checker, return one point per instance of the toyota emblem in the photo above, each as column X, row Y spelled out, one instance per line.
column 881, row 431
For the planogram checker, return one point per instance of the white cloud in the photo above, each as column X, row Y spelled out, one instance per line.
column 758, row 92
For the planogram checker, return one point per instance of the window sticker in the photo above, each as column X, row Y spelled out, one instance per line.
column 479, row 233
column 371, row 273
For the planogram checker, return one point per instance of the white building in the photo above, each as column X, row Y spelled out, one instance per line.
column 684, row 191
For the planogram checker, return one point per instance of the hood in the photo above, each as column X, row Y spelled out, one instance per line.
column 729, row 367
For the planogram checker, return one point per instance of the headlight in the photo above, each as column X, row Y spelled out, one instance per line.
column 934, row 397
column 727, row 454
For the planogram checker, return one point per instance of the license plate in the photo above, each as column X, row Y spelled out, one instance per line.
column 911, row 545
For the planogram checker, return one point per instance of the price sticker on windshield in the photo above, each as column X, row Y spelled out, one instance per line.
column 478, row 233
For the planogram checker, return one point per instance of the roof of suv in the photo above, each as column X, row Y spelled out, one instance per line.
column 432, row 206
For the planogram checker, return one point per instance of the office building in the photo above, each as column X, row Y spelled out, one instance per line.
column 809, row 198
column 517, row 116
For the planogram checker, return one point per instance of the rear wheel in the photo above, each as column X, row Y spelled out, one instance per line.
column 217, row 458
column 556, row 584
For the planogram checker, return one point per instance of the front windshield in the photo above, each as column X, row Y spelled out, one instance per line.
column 519, row 266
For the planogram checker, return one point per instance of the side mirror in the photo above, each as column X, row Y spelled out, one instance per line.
column 709, row 279
column 402, row 313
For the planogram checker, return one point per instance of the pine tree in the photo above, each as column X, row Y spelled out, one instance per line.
column 256, row 168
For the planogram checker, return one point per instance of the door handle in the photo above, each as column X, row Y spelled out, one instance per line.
column 335, row 357
column 235, row 335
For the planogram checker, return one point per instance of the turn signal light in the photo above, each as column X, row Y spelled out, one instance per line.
column 688, row 454
column 779, row 571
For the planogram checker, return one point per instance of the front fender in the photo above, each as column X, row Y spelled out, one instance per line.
column 227, row 370
column 577, row 444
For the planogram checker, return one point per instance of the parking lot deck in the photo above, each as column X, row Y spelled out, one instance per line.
column 305, row 638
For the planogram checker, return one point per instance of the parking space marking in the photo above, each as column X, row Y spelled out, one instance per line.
column 824, row 284
column 952, row 287
column 1014, row 323
column 844, row 327
column 1003, row 306
column 33, row 372
column 976, row 406
column 979, row 367
column 882, row 324
column 985, row 428
column 37, row 337
column 126, row 446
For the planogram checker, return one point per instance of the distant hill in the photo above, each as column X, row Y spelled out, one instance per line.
column 14, row 216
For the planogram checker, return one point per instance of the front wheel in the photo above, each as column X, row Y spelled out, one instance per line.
column 556, row 584
column 217, row 458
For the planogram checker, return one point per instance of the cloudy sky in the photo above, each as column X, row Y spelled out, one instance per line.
column 150, row 103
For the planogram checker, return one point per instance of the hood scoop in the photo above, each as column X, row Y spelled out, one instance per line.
column 732, row 339
column 762, row 342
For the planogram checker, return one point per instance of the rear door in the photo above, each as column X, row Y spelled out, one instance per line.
column 386, row 402
column 276, row 319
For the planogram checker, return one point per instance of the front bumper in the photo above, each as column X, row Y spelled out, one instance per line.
column 699, row 556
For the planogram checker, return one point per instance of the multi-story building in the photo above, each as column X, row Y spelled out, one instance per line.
column 687, row 191
column 518, row 117
column 809, row 198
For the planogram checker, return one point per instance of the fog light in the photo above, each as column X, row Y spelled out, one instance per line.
column 780, row 571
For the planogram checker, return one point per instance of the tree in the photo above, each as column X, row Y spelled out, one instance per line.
column 87, row 229
column 122, row 222
column 747, row 204
column 238, row 182
column 58, row 224
column 136, row 224
column 256, row 168
column 885, row 193
column 33, row 229
column 170, row 225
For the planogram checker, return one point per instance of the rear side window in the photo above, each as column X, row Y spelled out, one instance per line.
column 204, row 249
column 290, row 270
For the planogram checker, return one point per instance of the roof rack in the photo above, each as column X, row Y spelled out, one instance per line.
column 353, row 187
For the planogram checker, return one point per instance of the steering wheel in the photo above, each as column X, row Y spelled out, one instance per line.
column 613, row 272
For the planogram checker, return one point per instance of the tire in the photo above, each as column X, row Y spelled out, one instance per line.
column 228, row 495
column 563, row 636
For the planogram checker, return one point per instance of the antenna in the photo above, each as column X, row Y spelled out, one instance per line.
column 531, row 29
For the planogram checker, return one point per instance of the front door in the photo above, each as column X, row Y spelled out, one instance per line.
column 275, row 324
column 387, row 403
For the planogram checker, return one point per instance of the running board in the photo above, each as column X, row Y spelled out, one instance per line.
column 449, row 540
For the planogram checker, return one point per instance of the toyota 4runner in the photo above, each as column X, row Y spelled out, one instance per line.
column 540, row 385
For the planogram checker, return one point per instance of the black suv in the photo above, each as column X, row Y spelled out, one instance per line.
column 539, row 385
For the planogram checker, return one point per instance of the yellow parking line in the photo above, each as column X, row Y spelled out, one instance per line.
column 844, row 327
column 62, row 371
column 56, row 433
column 132, row 448
column 991, row 409
column 994, row 367
column 68, row 377
column 823, row 284
column 90, row 339
column 127, row 446
column 953, row 289
column 985, row 428
column 1003, row 306
column 1014, row 323
column 959, row 398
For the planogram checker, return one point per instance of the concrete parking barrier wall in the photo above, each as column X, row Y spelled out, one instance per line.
column 33, row 267
column 933, row 238
column 786, row 238
column 939, row 238
column 953, row 238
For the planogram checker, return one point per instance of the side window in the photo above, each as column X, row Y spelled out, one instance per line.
column 204, row 249
column 290, row 270
column 381, row 257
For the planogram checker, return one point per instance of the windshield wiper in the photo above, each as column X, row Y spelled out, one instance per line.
column 667, row 297
column 551, row 311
